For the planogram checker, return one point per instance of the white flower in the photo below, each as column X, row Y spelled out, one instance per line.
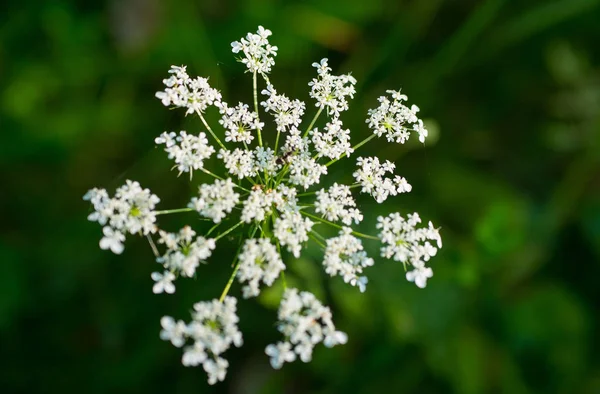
column 344, row 256
column 184, row 254
column 173, row 331
column 140, row 204
column 305, row 171
column 112, row 240
column 371, row 176
column 395, row 120
column 259, row 261
column 269, row 204
column 304, row 322
column 295, row 144
column 216, row 200
column 288, row 113
column 334, row 142
column 213, row 331
column 406, row 243
column 337, row 204
column 188, row 151
column 239, row 162
column 331, row 91
column 419, row 275
column 266, row 161
column 193, row 94
column 258, row 205
column 259, row 54
column 239, row 122
column 280, row 353
column 291, row 229
column 164, row 282
column 131, row 210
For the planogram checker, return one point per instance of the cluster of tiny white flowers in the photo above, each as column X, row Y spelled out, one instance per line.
column 213, row 330
column 304, row 322
column 216, row 200
column 371, row 176
column 183, row 254
column 287, row 113
column 395, row 120
column 265, row 161
column 188, row 151
column 291, row 229
column 131, row 210
column 239, row 122
column 259, row 53
column 305, row 171
column 408, row 244
column 239, row 162
column 334, row 142
column 344, row 255
column 270, row 198
column 331, row 91
column 337, row 204
column 182, row 91
column 259, row 261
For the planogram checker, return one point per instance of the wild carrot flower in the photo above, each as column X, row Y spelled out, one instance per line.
column 268, row 194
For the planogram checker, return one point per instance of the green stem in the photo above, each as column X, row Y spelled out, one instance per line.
column 255, row 93
column 211, row 174
column 321, row 244
column 235, row 270
column 153, row 246
column 178, row 210
column 228, row 231
column 213, row 228
column 354, row 148
column 221, row 178
column 338, row 226
column 277, row 141
column 210, row 130
column 312, row 123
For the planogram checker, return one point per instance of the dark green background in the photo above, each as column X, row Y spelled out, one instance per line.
column 511, row 92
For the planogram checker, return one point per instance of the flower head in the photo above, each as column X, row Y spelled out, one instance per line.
column 406, row 243
column 268, row 193
column 395, row 120
column 188, row 151
column 259, row 54
column 259, row 262
column 212, row 331
column 304, row 322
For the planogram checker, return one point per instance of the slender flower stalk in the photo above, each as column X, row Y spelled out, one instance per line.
column 270, row 199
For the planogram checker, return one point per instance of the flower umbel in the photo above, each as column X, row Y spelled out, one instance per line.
column 266, row 192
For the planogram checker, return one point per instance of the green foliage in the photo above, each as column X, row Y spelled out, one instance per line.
column 511, row 176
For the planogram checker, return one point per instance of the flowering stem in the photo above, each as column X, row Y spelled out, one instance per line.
column 338, row 226
column 282, row 274
column 235, row 270
column 178, row 210
column 152, row 246
column 321, row 244
column 355, row 147
column 221, row 178
column 312, row 123
column 210, row 130
column 228, row 231
column 210, row 173
column 254, row 88
column 277, row 141
column 213, row 228
column 232, row 277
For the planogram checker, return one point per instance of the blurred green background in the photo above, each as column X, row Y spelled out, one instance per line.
column 511, row 94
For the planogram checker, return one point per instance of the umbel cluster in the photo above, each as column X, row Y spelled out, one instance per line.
column 271, row 194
